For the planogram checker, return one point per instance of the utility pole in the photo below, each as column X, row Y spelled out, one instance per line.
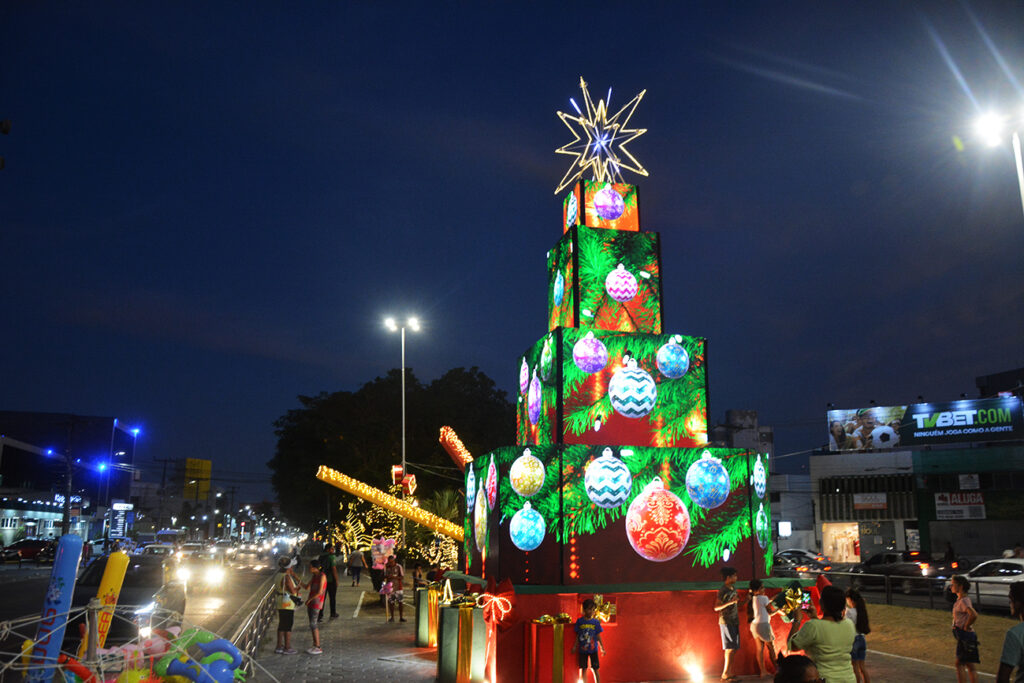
column 163, row 491
column 65, row 521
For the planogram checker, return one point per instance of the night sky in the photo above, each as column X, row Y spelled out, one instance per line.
column 207, row 208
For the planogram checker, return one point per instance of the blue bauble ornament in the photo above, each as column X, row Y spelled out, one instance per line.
column 673, row 360
column 707, row 482
column 571, row 211
column 559, row 288
column 526, row 528
column 470, row 490
column 590, row 354
column 632, row 391
column 608, row 481
column 760, row 478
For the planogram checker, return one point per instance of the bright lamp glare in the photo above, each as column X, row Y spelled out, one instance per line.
column 990, row 127
column 391, row 324
column 695, row 673
column 414, row 324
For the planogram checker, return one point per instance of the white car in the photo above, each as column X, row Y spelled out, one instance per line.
column 990, row 581
column 803, row 555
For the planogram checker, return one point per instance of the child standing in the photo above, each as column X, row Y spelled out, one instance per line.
column 964, row 616
column 761, row 625
column 728, row 619
column 314, row 603
column 857, row 612
column 588, row 640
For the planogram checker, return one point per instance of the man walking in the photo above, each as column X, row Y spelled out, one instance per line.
column 329, row 566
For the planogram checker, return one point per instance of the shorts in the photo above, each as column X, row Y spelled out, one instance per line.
column 966, row 646
column 762, row 630
column 285, row 619
column 396, row 597
column 860, row 649
column 730, row 636
column 583, row 657
column 314, row 617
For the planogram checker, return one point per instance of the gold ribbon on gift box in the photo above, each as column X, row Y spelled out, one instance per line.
column 433, row 609
column 557, row 624
column 464, row 659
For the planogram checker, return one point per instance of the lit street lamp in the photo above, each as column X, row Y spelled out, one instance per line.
column 393, row 326
column 991, row 128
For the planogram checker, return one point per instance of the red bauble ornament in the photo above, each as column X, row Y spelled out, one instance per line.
column 492, row 485
column 658, row 523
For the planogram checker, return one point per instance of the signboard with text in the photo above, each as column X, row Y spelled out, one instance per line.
column 960, row 505
column 917, row 424
column 870, row 501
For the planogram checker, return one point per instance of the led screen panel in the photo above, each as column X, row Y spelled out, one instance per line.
column 619, row 279
column 609, row 206
column 640, row 389
column 537, row 402
column 887, row 427
column 562, row 285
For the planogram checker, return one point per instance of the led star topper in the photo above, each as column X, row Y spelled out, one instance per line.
column 599, row 140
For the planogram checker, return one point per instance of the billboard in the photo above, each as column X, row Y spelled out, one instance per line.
column 917, row 424
column 197, row 479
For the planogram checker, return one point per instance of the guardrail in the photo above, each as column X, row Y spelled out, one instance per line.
column 907, row 585
column 249, row 634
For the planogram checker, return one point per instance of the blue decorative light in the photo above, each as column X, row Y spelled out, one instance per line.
column 707, row 482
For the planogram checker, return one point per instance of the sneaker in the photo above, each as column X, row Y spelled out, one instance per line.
column 335, row 616
column 402, row 619
column 279, row 651
column 290, row 651
column 314, row 651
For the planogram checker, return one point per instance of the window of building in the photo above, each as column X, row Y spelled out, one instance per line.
column 9, row 522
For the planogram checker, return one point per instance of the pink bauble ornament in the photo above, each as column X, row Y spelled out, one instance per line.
column 524, row 377
column 590, row 354
column 620, row 284
column 658, row 523
column 534, row 399
column 492, row 484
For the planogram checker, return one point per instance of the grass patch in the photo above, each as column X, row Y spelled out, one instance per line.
column 927, row 634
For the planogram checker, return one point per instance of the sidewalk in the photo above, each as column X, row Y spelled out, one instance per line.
column 359, row 645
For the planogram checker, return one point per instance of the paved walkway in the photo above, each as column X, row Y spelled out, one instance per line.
column 361, row 646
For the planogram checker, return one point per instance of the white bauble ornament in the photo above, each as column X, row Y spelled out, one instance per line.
column 608, row 481
column 632, row 391
column 760, row 478
column 480, row 518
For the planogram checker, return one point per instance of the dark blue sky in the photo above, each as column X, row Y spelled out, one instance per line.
column 208, row 207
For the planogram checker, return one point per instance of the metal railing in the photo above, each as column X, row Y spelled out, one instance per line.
column 249, row 634
column 915, row 586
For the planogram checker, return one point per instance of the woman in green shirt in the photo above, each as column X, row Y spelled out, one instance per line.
column 828, row 640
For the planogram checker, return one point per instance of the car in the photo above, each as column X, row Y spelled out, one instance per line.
column 187, row 550
column 28, row 548
column 800, row 568
column 905, row 569
column 248, row 559
column 164, row 549
column 225, row 547
column 990, row 581
column 151, row 597
column 202, row 572
column 804, row 555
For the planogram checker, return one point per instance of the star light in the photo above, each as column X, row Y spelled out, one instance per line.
column 599, row 141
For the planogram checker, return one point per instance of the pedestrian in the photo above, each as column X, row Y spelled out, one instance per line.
column 329, row 567
column 761, row 625
column 726, row 604
column 393, row 574
column 828, row 640
column 356, row 564
column 964, row 616
column 418, row 579
column 797, row 669
column 285, row 588
column 857, row 612
column 436, row 574
column 314, row 603
column 588, row 641
column 1013, row 644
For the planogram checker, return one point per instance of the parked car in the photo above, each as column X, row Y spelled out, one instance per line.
column 907, row 570
column 990, row 581
column 27, row 548
column 804, row 555
column 802, row 568
column 151, row 597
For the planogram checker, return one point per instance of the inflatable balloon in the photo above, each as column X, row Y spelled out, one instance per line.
column 50, row 633
column 107, row 594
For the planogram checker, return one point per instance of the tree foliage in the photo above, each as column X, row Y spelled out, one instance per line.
column 359, row 433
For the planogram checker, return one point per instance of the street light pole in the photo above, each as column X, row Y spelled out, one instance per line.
column 990, row 127
column 1020, row 167
column 414, row 325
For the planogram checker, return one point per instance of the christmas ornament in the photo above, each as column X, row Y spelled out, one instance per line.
column 526, row 528
column 524, row 377
column 609, row 204
column 533, row 399
column 760, row 478
column 571, row 211
column 632, row 391
column 590, row 354
column 492, row 484
column 547, row 360
column 673, row 360
column 761, row 526
column 607, row 481
column 707, row 482
column 559, row 288
column 620, row 284
column 657, row 523
column 470, row 491
column 526, row 474
column 480, row 518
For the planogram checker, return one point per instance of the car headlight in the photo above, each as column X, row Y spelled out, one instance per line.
column 183, row 574
column 214, row 576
